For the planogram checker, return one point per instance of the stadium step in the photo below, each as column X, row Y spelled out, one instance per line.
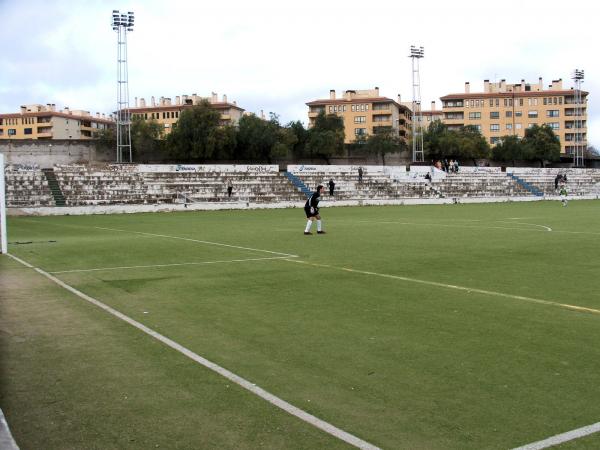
column 299, row 184
column 535, row 191
column 59, row 198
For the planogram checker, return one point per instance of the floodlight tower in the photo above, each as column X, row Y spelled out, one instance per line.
column 417, row 118
column 122, row 23
column 578, row 76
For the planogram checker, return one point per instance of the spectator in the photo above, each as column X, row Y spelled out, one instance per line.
column 557, row 180
column 456, row 165
column 331, row 185
column 360, row 174
column 229, row 187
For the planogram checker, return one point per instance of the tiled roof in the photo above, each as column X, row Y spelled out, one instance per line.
column 55, row 114
column 343, row 101
column 475, row 95
column 219, row 105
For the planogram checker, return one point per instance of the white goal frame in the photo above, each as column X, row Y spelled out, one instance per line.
column 3, row 241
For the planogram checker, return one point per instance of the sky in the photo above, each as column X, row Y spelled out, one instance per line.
column 276, row 55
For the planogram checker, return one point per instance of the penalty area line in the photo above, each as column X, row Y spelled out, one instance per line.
column 563, row 437
column 151, row 266
column 242, row 382
column 452, row 286
column 199, row 241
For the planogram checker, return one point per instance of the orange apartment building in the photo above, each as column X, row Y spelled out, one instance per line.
column 45, row 122
column 166, row 113
column 364, row 112
column 503, row 109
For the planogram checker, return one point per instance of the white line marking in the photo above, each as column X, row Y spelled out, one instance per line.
column 473, row 226
column 454, row 226
column 199, row 241
column 452, row 286
column 560, row 438
column 150, row 266
column 274, row 400
column 524, row 223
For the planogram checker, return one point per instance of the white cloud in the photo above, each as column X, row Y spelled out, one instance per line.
column 276, row 56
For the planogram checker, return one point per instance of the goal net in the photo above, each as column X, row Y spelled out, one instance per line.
column 3, row 242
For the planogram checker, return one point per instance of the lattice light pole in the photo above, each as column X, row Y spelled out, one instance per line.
column 122, row 23
column 578, row 154
column 417, row 118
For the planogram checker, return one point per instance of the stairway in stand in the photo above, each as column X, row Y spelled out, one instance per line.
column 59, row 198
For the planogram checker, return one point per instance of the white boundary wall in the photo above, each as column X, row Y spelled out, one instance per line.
column 202, row 168
column 3, row 240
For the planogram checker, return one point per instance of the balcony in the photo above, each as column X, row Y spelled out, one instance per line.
column 45, row 135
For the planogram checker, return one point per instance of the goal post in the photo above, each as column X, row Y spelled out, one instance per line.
column 3, row 241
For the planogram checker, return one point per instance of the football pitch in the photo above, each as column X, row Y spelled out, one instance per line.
column 412, row 327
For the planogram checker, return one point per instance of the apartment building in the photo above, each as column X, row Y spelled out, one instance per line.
column 45, row 122
column 166, row 113
column 509, row 109
column 364, row 112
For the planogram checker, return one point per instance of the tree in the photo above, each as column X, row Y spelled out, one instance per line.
column 472, row 145
column 107, row 139
column 301, row 134
column 196, row 134
column 510, row 148
column 145, row 138
column 384, row 141
column 591, row 152
column 326, row 137
column 541, row 144
column 435, row 140
column 465, row 144
column 263, row 140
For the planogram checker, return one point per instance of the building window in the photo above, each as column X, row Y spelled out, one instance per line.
column 360, row 119
column 552, row 113
column 331, row 109
column 509, row 126
column 554, row 125
column 474, row 115
column 518, row 126
column 477, row 127
column 472, row 103
column 494, row 115
column 518, row 113
column 520, row 102
column 495, row 127
column 497, row 102
column 494, row 140
column 12, row 132
column 532, row 114
column 508, row 114
column 360, row 131
column 491, row 102
column 28, row 131
column 530, row 125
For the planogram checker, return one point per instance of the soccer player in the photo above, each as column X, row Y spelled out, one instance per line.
column 311, row 208
column 563, row 196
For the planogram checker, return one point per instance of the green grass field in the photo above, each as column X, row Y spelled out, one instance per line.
column 414, row 327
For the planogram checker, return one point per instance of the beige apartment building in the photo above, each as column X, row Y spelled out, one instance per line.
column 166, row 112
column 509, row 109
column 364, row 112
column 45, row 122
